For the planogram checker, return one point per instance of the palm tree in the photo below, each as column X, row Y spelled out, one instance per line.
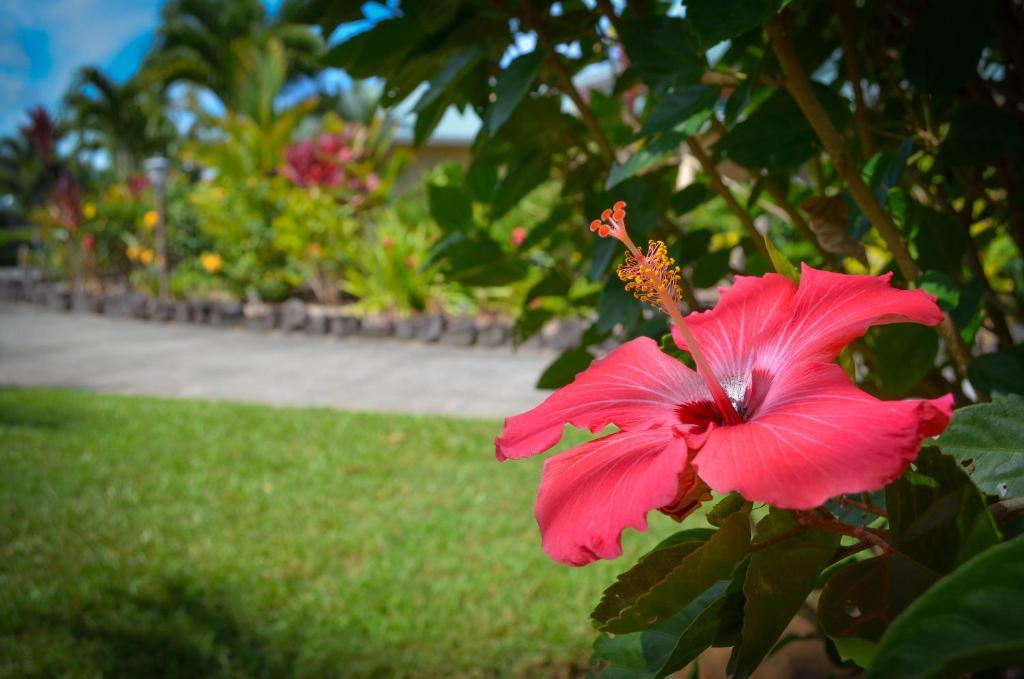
column 202, row 42
column 127, row 120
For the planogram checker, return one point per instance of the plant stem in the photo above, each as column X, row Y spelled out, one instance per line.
column 779, row 196
column 799, row 86
column 830, row 525
column 862, row 506
column 792, row 532
column 565, row 83
column 848, row 30
column 715, row 178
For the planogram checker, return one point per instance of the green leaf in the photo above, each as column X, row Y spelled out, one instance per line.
column 450, row 207
column 726, row 507
column 781, row 263
column 686, row 535
column 989, row 438
column 628, row 607
column 521, row 178
column 678, row 106
column 969, row 621
column 982, row 134
column 944, row 288
column 717, row 20
column 711, row 268
column 513, row 84
column 689, row 198
column 904, row 353
column 692, row 245
column 668, row 647
column 939, row 240
column 616, row 305
column 944, row 49
column 554, row 283
column 859, row 651
column 655, row 150
column 998, row 373
column 862, row 598
column 779, row 578
column 679, row 640
column 565, row 368
column 457, row 66
column 662, row 50
column 938, row 516
column 777, row 136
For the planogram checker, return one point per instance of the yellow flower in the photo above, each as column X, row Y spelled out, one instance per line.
column 132, row 252
column 89, row 210
column 150, row 219
column 146, row 256
column 217, row 192
column 211, row 262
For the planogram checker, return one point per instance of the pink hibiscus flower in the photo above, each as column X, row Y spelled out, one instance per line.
column 767, row 413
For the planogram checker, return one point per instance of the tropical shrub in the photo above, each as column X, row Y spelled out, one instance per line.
column 858, row 138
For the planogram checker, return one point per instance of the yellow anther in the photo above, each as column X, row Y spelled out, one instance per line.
column 653, row 277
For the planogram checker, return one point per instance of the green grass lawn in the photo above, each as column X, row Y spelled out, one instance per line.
column 145, row 537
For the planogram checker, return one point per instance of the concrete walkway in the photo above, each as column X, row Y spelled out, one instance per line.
column 39, row 347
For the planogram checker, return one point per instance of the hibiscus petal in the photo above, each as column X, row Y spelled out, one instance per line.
column 590, row 494
column 634, row 387
column 829, row 310
column 727, row 332
column 817, row 436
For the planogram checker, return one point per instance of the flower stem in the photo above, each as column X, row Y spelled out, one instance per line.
column 830, row 525
column 862, row 506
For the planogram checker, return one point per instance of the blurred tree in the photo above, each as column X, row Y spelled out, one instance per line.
column 210, row 43
column 127, row 121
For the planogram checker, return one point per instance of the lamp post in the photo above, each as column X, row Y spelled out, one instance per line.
column 157, row 170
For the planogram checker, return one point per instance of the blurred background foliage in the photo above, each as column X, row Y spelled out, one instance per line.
column 862, row 137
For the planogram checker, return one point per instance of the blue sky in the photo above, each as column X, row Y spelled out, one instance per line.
column 43, row 42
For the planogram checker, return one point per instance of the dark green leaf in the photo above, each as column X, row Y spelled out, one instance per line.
column 692, row 245
column 625, row 609
column 677, row 107
column 689, row 198
column 711, row 268
column 427, row 120
column 939, row 240
column 662, row 51
column 554, row 283
column 938, row 516
column 969, row 621
column 724, row 508
column 565, row 368
column 989, row 438
column 781, row 263
column 944, row 288
column 998, row 373
column 686, row 535
column 456, row 66
column 982, row 134
column 521, row 178
column 944, row 49
column 904, row 353
column 967, row 314
column 513, row 84
column 779, row 578
column 717, row 20
column 450, row 207
column 666, row 648
column 616, row 305
column 654, row 151
column 862, row 598
column 776, row 136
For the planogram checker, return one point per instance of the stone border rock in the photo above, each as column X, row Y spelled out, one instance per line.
column 293, row 316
